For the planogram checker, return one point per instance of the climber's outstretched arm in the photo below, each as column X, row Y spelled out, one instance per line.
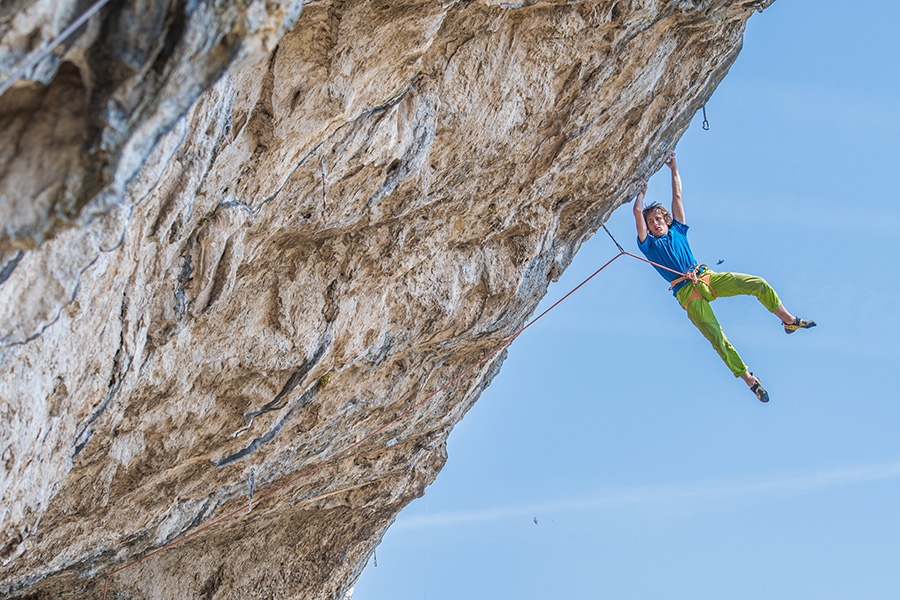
column 677, row 205
column 639, row 221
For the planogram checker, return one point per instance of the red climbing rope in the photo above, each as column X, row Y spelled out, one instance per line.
column 307, row 472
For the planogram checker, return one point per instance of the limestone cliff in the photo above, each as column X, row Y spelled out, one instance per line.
column 240, row 237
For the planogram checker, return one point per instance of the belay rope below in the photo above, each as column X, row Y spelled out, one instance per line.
column 244, row 509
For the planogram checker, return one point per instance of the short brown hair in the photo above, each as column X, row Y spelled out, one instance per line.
column 656, row 207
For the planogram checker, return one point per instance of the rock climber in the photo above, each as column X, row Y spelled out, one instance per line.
column 662, row 238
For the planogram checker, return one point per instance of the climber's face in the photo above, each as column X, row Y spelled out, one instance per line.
column 656, row 224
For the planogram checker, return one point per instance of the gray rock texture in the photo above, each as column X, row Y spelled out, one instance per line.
column 250, row 241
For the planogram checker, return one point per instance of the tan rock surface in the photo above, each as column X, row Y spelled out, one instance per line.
column 255, row 246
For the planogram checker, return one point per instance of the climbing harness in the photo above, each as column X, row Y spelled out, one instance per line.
column 693, row 274
column 488, row 355
column 33, row 60
column 696, row 274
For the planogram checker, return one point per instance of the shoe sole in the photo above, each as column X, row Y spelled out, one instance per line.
column 789, row 329
column 761, row 394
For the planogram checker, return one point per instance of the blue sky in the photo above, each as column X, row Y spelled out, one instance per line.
column 652, row 471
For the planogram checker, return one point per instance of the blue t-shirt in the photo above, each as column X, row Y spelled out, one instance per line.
column 671, row 250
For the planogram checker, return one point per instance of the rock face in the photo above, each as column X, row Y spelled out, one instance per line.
column 251, row 253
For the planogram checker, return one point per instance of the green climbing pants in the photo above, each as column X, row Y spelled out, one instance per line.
column 695, row 298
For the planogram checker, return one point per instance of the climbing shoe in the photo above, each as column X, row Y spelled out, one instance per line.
column 798, row 324
column 761, row 394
